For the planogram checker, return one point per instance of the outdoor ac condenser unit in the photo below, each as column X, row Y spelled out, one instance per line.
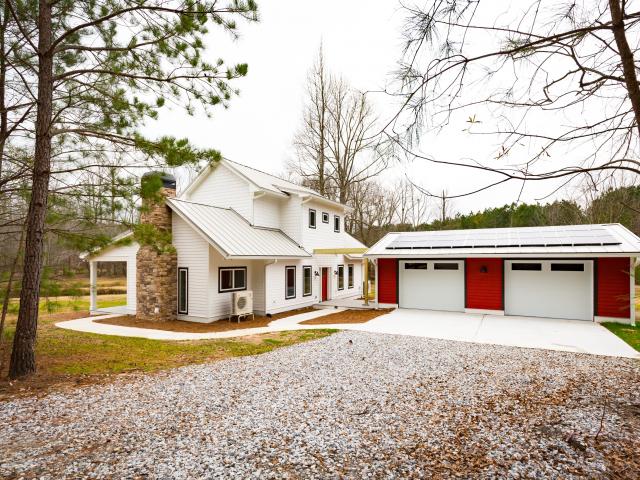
column 242, row 302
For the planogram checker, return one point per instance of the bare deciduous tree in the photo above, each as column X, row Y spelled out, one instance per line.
column 337, row 143
column 556, row 76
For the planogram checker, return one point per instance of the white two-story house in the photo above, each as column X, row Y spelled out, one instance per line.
column 235, row 228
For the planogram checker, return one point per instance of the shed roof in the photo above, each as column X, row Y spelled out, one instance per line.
column 232, row 235
column 570, row 240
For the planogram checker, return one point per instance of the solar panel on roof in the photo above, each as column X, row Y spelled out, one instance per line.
column 502, row 238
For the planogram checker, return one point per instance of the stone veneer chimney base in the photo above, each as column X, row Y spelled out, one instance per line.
column 156, row 289
column 157, row 273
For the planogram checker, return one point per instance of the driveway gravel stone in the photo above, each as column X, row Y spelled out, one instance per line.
column 355, row 404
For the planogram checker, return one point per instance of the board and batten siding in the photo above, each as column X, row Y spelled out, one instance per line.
column 224, row 188
column 388, row 280
column 193, row 253
column 483, row 277
column 266, row 211
column 613, row 287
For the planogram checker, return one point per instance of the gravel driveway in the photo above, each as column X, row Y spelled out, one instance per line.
column 353, row 404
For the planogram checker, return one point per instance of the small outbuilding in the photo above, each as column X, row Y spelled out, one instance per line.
column 580, row 272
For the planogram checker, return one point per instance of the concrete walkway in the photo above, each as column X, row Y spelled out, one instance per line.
column 549, row 334
column 89, row 325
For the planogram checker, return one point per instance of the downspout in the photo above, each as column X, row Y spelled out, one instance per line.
column 275, row 260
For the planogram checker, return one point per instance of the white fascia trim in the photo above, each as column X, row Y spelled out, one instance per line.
column 483, row 311
column 386, row 305
column 626, row 321
column 266, row 257
column 542, row 256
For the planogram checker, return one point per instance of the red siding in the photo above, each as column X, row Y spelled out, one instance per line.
column 613, row 287
column 484, row 289
column 387, row 280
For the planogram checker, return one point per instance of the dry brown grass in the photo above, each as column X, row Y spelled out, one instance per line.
column 193, row 327
column 347, row 316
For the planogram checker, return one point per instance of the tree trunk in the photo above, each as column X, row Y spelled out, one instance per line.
column 626, row 57
column 7, row 298
column 23, row 360
column 4, row 127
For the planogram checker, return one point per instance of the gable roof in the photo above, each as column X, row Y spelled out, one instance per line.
column 232, row 235
column 610, row 239
column 265, row 182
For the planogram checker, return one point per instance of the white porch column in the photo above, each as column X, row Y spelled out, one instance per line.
column 93, row 286
column 375, row 273
column 365, row 279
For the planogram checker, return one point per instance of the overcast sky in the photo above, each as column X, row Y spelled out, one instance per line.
column 362, row 41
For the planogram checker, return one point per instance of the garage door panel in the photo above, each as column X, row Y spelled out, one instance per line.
column 432, row 285
column 549, row 288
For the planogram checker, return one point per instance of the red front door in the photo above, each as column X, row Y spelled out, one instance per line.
column 325, row 284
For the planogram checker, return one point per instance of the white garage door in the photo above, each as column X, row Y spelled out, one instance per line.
column 549, row 288
column 432, row 285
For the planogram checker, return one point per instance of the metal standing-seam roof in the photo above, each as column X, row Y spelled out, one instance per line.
column 569, row 240
column 232, row 235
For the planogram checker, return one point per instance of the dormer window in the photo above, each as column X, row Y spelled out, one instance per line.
column 336, row 223
column 325, row 217
column 312, row 218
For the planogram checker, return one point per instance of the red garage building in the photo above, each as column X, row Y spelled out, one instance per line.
column 581, row 272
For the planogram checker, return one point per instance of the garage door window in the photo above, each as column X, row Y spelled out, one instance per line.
column 445, row 266
column 415, row 266
column 567, row 267
column 526, row 266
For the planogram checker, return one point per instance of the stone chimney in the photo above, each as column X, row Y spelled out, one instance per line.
column 156, row 260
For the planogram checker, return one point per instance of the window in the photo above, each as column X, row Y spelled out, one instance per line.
column 312, row 218
column 183, row 291
column 307, row 276
column 290, row 282
column 350, row 275
column 232, row 279
column 340, row 277
column 415, row 266
column 336, row 223
column 325, row 217
column 445, row 266
column 567, row 267
column 526, row 266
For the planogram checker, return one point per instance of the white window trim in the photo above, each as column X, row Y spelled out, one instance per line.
column 340, row 277
column 310, row 269
column 336, row 229
column 233, row 279
column 350, row 274
column 325, row 214
column 185, row 311
column 286, row 285
column 315, row 218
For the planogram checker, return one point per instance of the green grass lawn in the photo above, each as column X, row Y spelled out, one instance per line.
column 66, row 357
column 628, row 333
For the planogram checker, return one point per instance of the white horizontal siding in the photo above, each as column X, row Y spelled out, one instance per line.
column 193, row 253
column 223, row 188
column 291, row 218
column 266, row 212
column 323, row 236
column 275, row 282
column 220, row 302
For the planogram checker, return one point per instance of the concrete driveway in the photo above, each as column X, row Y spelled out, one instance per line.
column 551, row 334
